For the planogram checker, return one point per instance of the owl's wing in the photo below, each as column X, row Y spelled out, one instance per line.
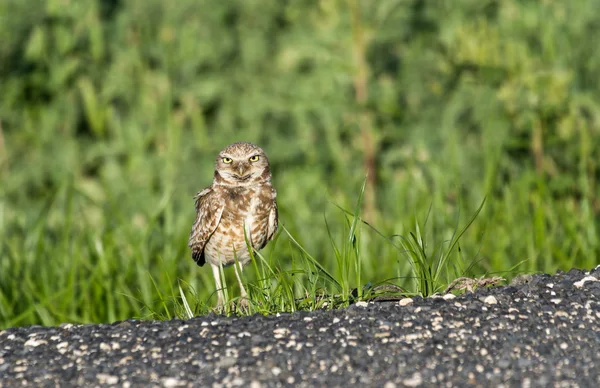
column 208, row 214
column 273, row 218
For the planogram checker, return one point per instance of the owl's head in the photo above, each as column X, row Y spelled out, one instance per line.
column 242, row 164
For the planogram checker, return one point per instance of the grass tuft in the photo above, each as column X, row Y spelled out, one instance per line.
column 307, row 285
column 433, row 271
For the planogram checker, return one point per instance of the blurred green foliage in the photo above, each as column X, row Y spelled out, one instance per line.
column 112, row 112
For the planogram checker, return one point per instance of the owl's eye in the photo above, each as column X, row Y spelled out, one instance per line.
column 254, row 158
column 227, row 160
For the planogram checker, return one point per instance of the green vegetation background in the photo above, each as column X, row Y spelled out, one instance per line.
column 112, row 113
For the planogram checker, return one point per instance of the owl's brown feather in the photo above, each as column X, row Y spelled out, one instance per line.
column 273, row 220
column 208, row 215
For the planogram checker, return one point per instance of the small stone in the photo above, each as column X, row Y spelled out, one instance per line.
column 276, row 371
column 405, row 302
column 125, row 360
column 361, row 304
column 35, row 342
column 226, row 362
column 520, row 280
column 389, row 384
column 169, row 382
column 449, row 296
column 586, row 279
column 490, row 299
column 281, row 332
column 414, row 381
column 107, row 379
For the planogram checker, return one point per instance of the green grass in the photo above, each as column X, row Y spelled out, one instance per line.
column 74, row 258
column 82, row 256
column 308, row 285
column 111, row 115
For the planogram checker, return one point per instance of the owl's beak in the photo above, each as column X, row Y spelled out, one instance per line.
column 241, row 170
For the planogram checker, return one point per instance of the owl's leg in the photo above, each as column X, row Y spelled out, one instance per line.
column 217, row 275
column 244, row 295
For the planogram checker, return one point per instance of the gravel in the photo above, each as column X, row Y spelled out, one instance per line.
column 539, row 331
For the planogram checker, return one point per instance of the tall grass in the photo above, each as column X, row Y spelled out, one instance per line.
column 62, row 264
column 309, row 285
column 111, row 114
column 434, row 269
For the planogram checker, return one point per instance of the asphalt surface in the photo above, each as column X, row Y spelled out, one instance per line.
column 540, row 331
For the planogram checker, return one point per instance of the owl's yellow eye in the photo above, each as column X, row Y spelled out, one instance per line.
column 254, row 158
column 227, row 160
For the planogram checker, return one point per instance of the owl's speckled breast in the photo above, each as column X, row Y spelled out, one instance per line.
column 243, row 206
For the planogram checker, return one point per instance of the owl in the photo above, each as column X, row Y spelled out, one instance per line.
column 240, row 204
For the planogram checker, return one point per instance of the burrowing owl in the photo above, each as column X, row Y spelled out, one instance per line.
column 241, row 196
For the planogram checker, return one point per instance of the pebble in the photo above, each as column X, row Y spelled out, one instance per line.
column 413, row 381
column 35, row 342
column 170, row 382
column 586, row 279
column 107, row 379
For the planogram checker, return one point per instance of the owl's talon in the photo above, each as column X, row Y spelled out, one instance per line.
column 219, row 310
column 243, row 305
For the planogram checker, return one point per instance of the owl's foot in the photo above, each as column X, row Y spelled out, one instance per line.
column 219, row 309
column 243, row 305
